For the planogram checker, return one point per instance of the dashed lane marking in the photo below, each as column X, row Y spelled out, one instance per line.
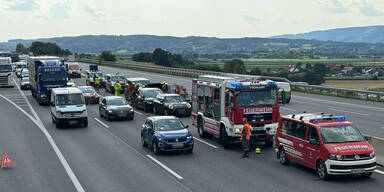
column 378, row 171
column 213, row 146
column 103, row 124
column 55, row 148
column 364, row 114
column 289, row 109
column 165, row 167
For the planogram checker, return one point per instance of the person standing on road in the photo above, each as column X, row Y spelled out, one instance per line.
column 117, row 88
column 245, row 137
column 96, row 81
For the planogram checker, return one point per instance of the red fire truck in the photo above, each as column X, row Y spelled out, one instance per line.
column 219, row 105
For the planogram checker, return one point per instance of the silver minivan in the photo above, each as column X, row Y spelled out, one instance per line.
column 68, row 107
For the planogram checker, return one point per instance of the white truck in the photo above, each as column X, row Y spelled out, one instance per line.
column 6, row 72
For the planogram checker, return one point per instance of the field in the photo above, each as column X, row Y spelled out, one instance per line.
column 263, row 64
column 355, row 84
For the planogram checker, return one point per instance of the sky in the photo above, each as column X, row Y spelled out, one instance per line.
column 31, row 19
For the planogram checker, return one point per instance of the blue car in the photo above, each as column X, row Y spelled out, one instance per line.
column 166, row 133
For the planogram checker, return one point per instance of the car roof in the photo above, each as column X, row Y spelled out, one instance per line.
column 67, row 90
column 155, row 118
column 170, row 94
column 137, row 79
column 149, row 88
column 84, row 87
column 113, row 97
column 319, row 119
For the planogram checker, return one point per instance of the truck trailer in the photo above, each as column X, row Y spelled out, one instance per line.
column 46, row 73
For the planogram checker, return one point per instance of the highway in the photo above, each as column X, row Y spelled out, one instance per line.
column 108, row 156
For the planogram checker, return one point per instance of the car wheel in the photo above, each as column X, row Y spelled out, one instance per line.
column 53, row 120
column 143, row 143
column 321, row 170
column 85, row 124
column 200, row 130
column 154, row 109
column 366, row 175
column 190, row 150
column 58, row 125
column 131, row 117
column 283, row 157
column 224, row 138
column 155, row 148
column 107, row 117
column 166, row 112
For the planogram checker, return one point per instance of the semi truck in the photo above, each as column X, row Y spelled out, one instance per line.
column 46, row 73
column 219, row 105
column 5, row 72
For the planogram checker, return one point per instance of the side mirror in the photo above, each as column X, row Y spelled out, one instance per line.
column 313, row 142
column 186, row 126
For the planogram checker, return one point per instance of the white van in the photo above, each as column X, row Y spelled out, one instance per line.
column 68, row 107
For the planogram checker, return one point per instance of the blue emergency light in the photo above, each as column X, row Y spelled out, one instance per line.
column 271, row 82
column 341, row 118
column 235, row 84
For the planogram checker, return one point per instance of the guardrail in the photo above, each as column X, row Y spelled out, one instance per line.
column 378, row 145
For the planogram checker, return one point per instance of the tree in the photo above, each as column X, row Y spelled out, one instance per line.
column 47, row 48
column 234, row 66
column 255, row 71
column 21, row 49
column 107, row 56
column 320, row 68
column 161, row 57
column 313, row 78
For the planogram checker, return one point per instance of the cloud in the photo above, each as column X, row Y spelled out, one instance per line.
column 60, row 11
column 93, row 13
column 22, row 5
column 335, row 6
column 250, row 19
column 368, row 10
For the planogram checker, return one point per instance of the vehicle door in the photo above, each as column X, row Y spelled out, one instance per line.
column 229, row 106
column 140, row 99
column 103, row 107
column 293, row 134
column 157, row 102
column 108, row 82
column 149, row 131
column 312, row 147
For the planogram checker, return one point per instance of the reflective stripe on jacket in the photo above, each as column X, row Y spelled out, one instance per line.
column 246, row 131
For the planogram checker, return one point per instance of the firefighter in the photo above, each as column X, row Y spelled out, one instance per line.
column 245, row 137
column 96, row 81
column 164, row 87
column 131, row 91
column 117, row 88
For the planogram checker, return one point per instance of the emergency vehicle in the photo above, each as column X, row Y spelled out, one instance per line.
column 329, row 144
column 219, row 105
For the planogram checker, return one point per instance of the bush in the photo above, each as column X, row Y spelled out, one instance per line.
column 107, row 56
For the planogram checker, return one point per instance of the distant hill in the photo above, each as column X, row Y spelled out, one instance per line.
column 204, row 45
column 368, row 34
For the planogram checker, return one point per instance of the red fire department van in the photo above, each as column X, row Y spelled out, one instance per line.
column 219, row 105
column 329, row 144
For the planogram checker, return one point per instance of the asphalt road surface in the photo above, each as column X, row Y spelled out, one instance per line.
column 107, row 156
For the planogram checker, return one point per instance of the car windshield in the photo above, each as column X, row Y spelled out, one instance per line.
column 87, row 90
column 25, row 72
column 73, row 67
column 21, row 66
column 5, row 68
column 340, row 134
column 168, row 125
column 173, row 99
column 116, row 101
column 69, row 99
column 118, row 77
column 53, row 77
column 186, row 97
column 25, row 80
column 142, row 82
column 151, row 93
column 256, row 98
column 99, row 74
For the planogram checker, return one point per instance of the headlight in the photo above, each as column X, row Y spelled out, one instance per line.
column 109, row 111
column 131, row 110
column 58, row 113
column 170, row 106
column 372, row 154
column 85, row 112
column 237, row 130
column 335, row 157
column 188, row 105
column 43, row 96
column 189, row 137
column 160, row 139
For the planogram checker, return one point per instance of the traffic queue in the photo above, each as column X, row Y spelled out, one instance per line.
column 235, row 109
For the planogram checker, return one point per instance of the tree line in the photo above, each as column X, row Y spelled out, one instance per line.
column 42, row 48
column 163, row 58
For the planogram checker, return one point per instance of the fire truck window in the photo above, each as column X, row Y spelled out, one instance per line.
column 217, row 107
column 294, row 129
column 194, row 102
column 208, row 106
column 312, row 134
column 200, row 98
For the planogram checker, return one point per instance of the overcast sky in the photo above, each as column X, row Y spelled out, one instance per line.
column 29, row 19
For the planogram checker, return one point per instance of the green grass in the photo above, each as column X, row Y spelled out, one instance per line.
column 377, row 89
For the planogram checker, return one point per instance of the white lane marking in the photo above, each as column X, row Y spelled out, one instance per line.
column 61, row 157
column 363, row 114
column 289, row 109
column 378, row 171
column 165, row 167
column 103, row 124
column 138, row 112
column 337, row 102
column 213, row 146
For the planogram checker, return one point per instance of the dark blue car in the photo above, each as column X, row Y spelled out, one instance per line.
column 166, row 133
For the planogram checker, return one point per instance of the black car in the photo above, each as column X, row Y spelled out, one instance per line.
column 24, row 83
column 171, row 104
column 166, row 133
column 115, row 107
column 145, row 98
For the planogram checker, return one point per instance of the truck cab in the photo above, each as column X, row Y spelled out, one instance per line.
column 73, row 69
column 5, row 72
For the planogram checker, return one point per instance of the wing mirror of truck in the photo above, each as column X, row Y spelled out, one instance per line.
column 313, row 142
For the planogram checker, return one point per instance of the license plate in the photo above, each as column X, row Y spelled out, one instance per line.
column 72, row 122
column 122, row 115
column 357, row 171
column 178, row 145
